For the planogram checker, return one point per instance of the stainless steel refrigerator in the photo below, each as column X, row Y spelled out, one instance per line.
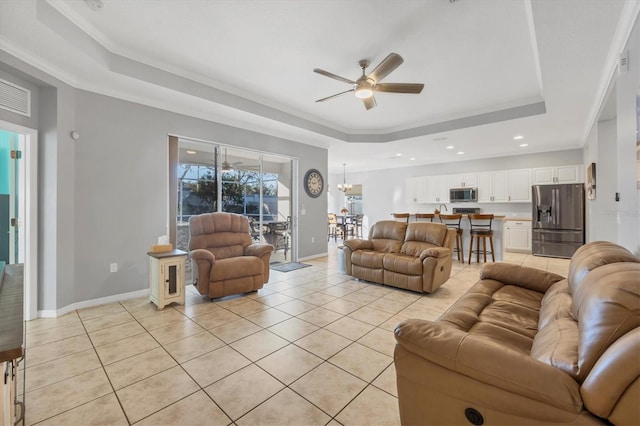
column 558, row 219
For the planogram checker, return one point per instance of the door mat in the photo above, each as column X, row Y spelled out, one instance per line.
column 287, row 267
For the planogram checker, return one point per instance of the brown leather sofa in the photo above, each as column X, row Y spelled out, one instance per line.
column 415, row 256
column 223, row 258
column 524, row 346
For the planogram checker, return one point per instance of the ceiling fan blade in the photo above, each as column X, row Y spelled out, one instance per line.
column 369, row 102
column 335, row 96
column 331, row 75
column 399, row 87
column 388, row 64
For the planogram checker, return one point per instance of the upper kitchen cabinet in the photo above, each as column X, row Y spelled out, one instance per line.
column 437, row 189
column 464, row 180
column 416, row 190
column 519, row 186
column 561, row 174
column 492, row 187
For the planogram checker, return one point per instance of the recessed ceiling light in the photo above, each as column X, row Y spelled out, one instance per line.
column 190, row 151
column 517, row 138
column 460, row 152
column 524, row 144
column 412, row 158
column 399, row 154
column 450, row 147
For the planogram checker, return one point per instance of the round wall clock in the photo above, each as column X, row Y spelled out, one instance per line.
column 313, row 183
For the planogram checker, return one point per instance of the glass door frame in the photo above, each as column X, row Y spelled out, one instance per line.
column 28, row 206
column 174, row 147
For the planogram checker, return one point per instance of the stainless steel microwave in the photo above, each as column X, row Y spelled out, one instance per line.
column 463, row 195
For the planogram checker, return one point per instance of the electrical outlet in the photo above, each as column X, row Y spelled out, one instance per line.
column 113, row 267
column 313, row 239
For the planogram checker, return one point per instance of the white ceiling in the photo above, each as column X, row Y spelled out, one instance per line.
column 492, row 69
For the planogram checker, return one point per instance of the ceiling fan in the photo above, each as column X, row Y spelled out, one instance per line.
column 366, row 85
column 226, row 166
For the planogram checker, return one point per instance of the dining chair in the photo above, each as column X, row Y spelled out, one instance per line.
column 358, row 225
column 333, row 229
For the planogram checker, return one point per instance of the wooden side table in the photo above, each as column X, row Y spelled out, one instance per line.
column 166, row 277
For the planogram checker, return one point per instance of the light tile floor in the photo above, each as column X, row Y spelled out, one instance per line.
column 313, row 347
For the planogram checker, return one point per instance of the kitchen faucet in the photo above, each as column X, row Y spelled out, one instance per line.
column 443, row 205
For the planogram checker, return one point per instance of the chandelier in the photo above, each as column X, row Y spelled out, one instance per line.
column 344, row 186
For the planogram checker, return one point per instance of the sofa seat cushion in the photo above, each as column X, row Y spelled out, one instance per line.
column 557, row 345
column 504, row 313
column 556, row 304
column 415, row 248
column 367, row 259
column 401, row 263
column 235, row 267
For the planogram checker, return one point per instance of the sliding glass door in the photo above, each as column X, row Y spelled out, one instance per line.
column 220, row 178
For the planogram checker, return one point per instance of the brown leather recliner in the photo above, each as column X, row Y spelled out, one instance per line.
column 415, row 256
column 223, row 257
column 524, row 346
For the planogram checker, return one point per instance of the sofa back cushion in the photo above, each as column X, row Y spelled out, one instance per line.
column 223, row 234
column 606, row 306
column 423, row 235
column 387, row 236
column 593, row 255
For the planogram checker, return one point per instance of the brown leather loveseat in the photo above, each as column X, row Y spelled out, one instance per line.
column 524, row 346
column 223, row 257
column 415, row 256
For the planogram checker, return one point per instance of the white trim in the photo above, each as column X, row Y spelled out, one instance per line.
column 94, row 302
column 314, row 256
column 31, row 217
column 620, row 39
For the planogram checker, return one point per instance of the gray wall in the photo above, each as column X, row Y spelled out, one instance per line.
column 104, row 198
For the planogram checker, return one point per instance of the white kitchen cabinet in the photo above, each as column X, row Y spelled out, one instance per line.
column 519, row 186
column 518, row 236
column 464, row 180
column 492, row 187
column 166, row 277
column 416, row 190
column 554, row 175
column 437, row 189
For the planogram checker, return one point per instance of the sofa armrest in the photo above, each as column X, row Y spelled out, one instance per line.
column 202, row 261
column 489, row 362
column 258, row 250
column 357, row 244
column 437, row 252
column 521, row 276
column 263, row 252
column 202, row 255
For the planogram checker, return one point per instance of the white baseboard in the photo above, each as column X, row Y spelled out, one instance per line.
column 315, row 256
column 93, row 302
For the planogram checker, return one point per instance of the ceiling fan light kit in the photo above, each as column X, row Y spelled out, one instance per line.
column 366, row 85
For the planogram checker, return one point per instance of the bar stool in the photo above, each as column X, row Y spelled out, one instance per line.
column 425, row 216
column 453, row 221
column 480, row 226
column 402, row 217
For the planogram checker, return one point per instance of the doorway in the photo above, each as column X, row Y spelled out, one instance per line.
column 18, row 206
